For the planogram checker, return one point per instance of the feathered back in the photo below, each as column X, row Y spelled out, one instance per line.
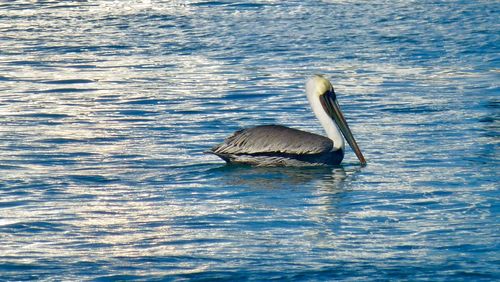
column 273, row 139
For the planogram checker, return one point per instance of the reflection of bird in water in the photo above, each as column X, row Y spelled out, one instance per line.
column 282, row 177
column 276, row 145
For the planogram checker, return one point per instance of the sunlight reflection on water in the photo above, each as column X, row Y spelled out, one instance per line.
column 106, row 108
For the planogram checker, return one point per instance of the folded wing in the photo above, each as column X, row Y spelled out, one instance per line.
column 273, row 139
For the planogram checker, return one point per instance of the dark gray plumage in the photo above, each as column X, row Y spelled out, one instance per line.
column 278, row 145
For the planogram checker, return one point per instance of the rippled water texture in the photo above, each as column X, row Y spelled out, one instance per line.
column 106, row 108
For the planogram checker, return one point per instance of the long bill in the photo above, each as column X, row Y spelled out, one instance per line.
column 333, row 109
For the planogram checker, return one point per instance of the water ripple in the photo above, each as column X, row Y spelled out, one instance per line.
column 106, row 108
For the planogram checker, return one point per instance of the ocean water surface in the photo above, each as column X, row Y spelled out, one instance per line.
column 106, row 108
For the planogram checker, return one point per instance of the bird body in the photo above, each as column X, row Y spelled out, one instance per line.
column 277, row 145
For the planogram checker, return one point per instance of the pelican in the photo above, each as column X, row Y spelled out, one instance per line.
column 277, row 145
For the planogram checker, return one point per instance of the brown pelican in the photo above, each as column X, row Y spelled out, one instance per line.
column 277, row 145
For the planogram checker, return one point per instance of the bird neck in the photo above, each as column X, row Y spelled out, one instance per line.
column 330, row 127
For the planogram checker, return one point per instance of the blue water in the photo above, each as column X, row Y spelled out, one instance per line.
column 106, row 108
